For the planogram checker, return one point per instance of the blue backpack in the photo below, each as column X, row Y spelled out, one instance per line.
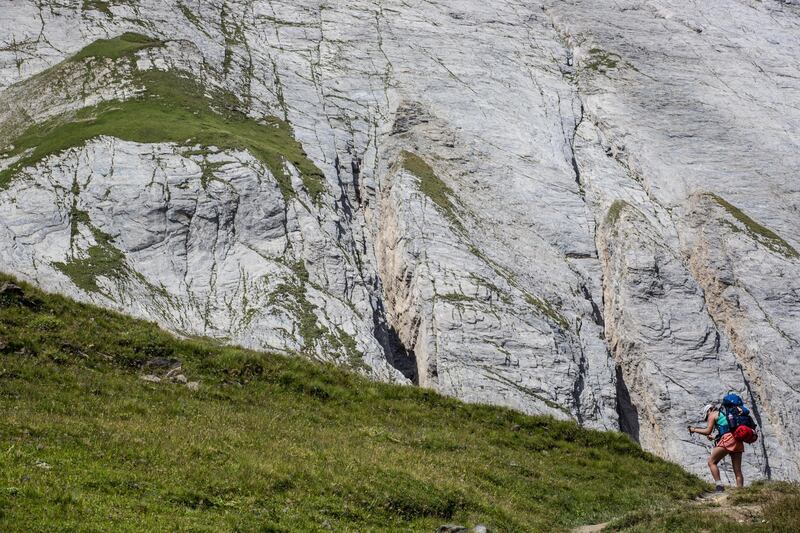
column 738, row 416
column 732, row 400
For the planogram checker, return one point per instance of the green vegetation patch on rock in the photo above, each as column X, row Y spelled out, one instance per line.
column 98, row 5
column 292, row 295
column 545, row 308
column 615, row 211
column 432, row 186
column 548, row 310
column 102, row 259
column 600, row 60
column 271, row 443
column 191, row 16
column 125, row 45
column 171, row 108
column 763, row 235
column 455, row 297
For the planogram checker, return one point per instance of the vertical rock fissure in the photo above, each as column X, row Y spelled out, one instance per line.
column 397, row 354
column 355, row 168
column 579, row 385
column 344, row 198
column 575, row 167
column 597, row 314
column 754, row 406
column 626, row 410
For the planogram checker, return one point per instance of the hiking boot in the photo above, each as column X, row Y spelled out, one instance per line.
column 719, row 488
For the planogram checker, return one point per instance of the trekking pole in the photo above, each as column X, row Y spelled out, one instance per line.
column 705, row 444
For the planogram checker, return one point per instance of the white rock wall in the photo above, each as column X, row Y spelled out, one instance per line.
column 584, row 270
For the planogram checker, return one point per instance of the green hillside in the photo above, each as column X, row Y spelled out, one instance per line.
column 270, row 443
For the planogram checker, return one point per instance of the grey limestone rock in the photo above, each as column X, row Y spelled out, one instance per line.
column 581, row 208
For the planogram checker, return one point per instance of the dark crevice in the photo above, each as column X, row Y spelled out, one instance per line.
column 579, row 385
column 597, row 315
column 575, row 168
column 627, row 412
column 754, row 407
column 579, row 255
column 397, row 354
column 344, row 198
column 355, row 168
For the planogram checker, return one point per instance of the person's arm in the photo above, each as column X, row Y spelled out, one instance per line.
column 712, row 415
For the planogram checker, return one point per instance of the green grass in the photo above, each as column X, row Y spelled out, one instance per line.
column 123, row 46
column 455, row 297
column 615, row 211
column 102, row 259
column 762, row 507
column 548, row 310
column 270, row 443
column 763, row 235
column 432, row 186
column 600, row 60
column 171, row 109
column 98, row 5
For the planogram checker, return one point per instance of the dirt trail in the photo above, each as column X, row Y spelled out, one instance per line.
column 711, row 502
column 594, row 528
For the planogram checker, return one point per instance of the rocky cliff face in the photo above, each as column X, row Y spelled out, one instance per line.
column 587, row 209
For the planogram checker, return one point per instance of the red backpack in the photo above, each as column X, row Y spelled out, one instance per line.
column 745, row 434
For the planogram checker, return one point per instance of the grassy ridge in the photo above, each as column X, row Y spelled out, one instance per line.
column 275, row 444
column 122, row 46
column 431, row 185
column 761, row 234
column 172, row 108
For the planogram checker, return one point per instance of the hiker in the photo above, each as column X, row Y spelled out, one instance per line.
column 734, row 427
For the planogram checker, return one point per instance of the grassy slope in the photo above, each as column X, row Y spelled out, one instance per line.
column 172, row 108
column 274, row 442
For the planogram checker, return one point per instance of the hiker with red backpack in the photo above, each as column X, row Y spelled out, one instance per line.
column 734, row 427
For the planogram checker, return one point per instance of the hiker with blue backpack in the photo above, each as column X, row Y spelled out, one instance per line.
column 734, row 427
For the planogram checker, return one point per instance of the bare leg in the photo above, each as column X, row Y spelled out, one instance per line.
column 717, row 454
column 736, row 460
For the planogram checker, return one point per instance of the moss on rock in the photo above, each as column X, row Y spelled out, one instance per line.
column 761, row 234
column 102, row 259
column 615, row 211
column 432, row 186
